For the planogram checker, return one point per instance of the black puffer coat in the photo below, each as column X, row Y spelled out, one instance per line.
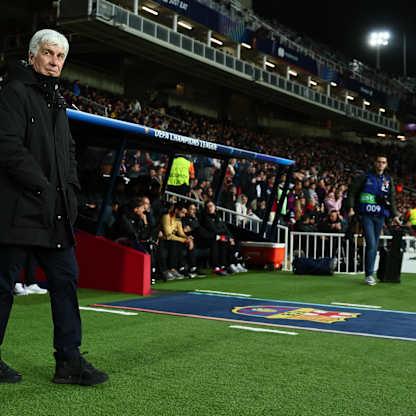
column 38, row 177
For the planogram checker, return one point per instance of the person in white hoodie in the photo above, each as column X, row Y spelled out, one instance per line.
column 241, row 208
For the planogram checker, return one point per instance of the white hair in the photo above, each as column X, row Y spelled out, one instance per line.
column 48, row 36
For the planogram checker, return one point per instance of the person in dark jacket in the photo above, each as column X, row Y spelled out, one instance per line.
column 132, row 225
column 191, row 227
column 333, row 223
column 373, row 196
column 38, row 182
column 225, row 257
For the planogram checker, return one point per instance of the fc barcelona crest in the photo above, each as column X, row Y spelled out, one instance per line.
column 293, row 313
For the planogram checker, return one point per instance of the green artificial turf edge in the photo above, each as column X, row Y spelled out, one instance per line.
column 165, row 365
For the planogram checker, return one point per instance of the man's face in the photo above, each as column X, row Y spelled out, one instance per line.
column 181, row 213
column 49, row 60
column 192, row 210
column 139, row 210
column 333, row 216
column 135, row 167
column 211, row 208
column 146, row 203
column 381, row 164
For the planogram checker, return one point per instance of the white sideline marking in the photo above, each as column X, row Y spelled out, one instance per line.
column 223, row 293
column 274, row 331
column 357, row 304
column 85, row 308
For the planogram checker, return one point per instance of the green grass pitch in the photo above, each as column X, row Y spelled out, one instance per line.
column 177, row 366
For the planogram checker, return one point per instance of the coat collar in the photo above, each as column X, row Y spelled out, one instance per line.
column 48, row 86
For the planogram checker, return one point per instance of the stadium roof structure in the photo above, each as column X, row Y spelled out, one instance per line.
column 149, row 138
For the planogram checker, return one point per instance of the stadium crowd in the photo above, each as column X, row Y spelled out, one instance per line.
column 182, row 237
column 324, row 167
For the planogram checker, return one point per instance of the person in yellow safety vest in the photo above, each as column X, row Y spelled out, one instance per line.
column 181, row 172
column 411, row 218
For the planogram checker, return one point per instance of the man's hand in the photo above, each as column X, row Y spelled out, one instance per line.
column 351, row 212
column 190, row 243
column 396, row 221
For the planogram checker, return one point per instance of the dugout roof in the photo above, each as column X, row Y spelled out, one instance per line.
column 105, row 130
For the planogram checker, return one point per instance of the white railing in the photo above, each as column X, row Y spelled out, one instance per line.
column 240, row 220
column 349, row 252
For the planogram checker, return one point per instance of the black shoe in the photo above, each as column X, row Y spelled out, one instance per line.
column 8, row 375
column 78, row 370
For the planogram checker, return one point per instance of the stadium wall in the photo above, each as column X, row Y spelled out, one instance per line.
column 293, row 128
column 193, row 106
column 93, row 78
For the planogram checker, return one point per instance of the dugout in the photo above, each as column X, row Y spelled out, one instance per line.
column 102, row 145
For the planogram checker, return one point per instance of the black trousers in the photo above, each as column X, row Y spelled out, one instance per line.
column 30, row 266
column 175, row 255
column 220, row 254
column 61, row 269
column 223, row 253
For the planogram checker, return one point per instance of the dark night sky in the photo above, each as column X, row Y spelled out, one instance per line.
column 344, row 25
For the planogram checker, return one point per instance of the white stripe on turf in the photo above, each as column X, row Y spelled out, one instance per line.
column 356, row 304
column 274, row 331
column 86, row 308
column 222, row 293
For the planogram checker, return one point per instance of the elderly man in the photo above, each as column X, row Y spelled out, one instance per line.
column 38, row 182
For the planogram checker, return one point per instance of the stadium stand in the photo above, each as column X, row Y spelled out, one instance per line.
column 320, row 163
column 318, row 185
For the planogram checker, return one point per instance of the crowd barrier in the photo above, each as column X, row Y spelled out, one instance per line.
column 348, row 250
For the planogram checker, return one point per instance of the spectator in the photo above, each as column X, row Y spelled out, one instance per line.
column 224, row 256
column 307, row 223
column 333, row 223
column 175, row 245
column 132, row 226
column 411, row 218
column 192, row 228
column 333, row 202
column 241, row 208
column 260, row 210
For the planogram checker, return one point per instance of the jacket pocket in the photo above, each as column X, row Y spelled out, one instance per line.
column 32, row 210
column 72, row 200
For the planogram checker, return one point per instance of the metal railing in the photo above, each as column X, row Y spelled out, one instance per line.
column 127, row 21
column 349, row 251
column 100, row 109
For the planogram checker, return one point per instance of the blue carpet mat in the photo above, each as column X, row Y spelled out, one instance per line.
column 309, row 316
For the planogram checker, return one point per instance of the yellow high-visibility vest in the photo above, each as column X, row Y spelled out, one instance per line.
column 412, row 216
column 179, row 173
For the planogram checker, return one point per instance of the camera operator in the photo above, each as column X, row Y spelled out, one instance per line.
column 373, row 195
